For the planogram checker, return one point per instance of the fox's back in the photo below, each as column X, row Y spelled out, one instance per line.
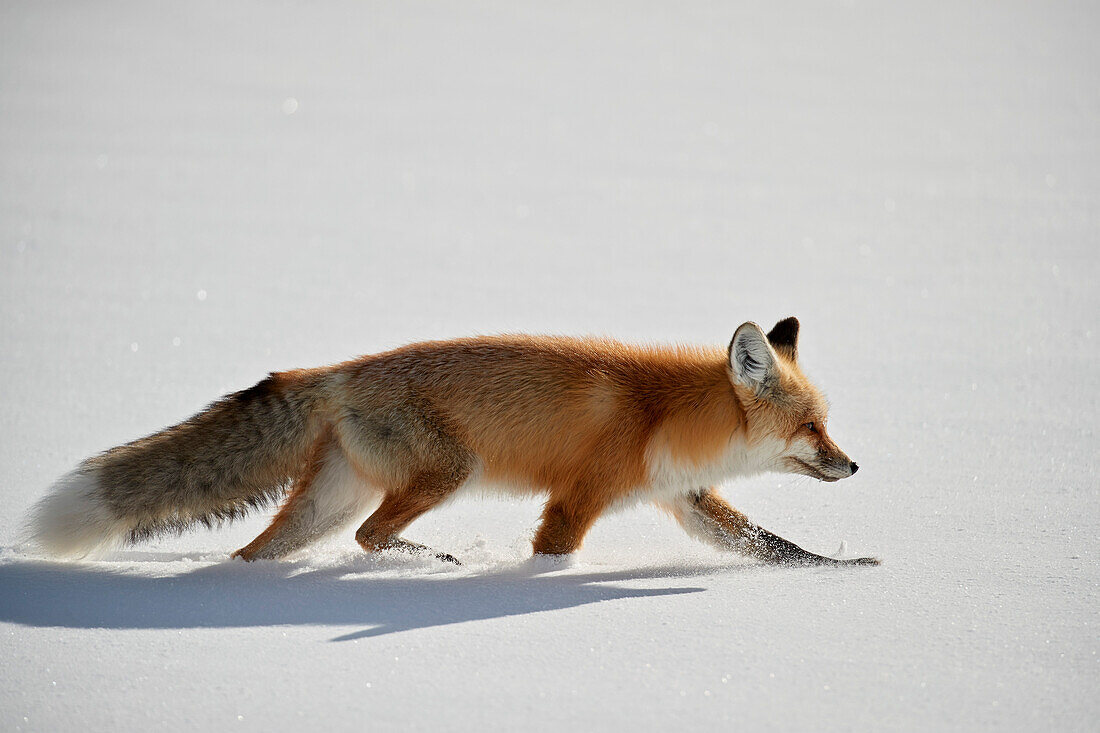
column 536, row 408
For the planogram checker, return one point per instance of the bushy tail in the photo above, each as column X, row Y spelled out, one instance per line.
column 233, row 456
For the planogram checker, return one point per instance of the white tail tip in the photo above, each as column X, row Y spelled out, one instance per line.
column 72, row 521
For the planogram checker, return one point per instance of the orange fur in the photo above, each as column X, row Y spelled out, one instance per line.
column 549, row 415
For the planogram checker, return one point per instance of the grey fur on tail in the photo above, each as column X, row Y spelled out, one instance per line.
column 236, row 455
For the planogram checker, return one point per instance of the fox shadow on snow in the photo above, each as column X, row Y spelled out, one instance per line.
column 43, row 594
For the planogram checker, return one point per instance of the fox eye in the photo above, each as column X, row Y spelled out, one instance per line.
column 811, row 427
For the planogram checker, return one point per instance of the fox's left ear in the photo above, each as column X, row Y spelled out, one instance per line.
column 752, row 359
column 784, row 337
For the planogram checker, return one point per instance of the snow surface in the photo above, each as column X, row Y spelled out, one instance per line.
column 192, row 195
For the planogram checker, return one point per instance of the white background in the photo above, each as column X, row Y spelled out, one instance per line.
column 192, row 195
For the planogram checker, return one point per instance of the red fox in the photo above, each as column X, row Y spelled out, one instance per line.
column 591, row 424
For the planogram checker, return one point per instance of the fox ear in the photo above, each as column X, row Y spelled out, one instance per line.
column 784, row 338
column 752, row 359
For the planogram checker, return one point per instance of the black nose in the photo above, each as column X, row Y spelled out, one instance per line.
column 853, row 466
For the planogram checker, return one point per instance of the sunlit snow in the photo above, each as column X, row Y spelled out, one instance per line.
column 918, row 182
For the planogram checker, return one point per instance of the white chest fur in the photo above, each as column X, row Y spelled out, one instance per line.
column 670, row 477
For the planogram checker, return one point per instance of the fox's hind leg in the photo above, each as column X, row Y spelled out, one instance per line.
column 706, row 516
column 564, row 526
column 400, row 507
column 328, row 495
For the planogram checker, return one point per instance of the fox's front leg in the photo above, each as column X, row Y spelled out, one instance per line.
column 705, row 515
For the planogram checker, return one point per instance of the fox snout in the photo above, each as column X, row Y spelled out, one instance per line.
column 840, row 467
column 823, row 466
column 833, row 463
column 846, row 469
column 847, row 464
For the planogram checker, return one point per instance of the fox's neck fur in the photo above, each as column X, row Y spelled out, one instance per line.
column 699, row 417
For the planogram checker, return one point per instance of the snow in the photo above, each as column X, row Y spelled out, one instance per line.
column 193, row 196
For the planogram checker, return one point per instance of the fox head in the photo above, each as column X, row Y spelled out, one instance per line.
column 783, row 409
